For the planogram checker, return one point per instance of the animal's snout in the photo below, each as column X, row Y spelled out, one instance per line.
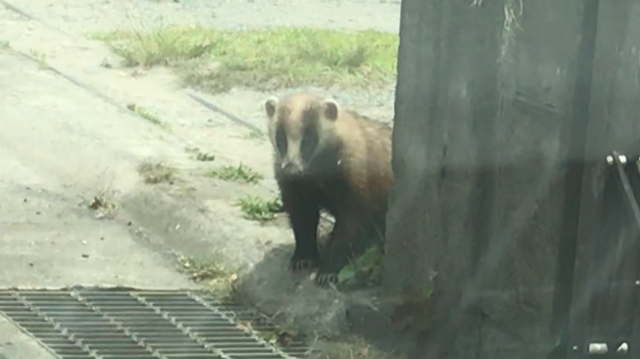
column 291, row 168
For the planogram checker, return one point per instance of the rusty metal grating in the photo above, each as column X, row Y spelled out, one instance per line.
column 128, row 324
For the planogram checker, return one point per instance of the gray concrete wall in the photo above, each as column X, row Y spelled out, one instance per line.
column 483, row 109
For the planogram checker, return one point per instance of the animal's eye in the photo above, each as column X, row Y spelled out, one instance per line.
column 281, row 141
column 309, row 142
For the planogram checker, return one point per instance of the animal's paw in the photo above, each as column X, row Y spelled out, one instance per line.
column 324, row 278
column 303, row 264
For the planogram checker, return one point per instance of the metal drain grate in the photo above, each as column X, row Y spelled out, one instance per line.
column 125, row 324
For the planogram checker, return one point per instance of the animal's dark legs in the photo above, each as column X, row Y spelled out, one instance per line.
column 304, row 215
column 352, row 237
column 339, row 250
column 372, row 235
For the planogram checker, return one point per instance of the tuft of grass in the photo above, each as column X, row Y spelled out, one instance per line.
column 200, row 270
column 166, row 45
column 103, row 204
column 147, row 115
column 266, row 59
column 257, row 209
column 156, row 172
column 41, row 59
column 255, row 135
column 199, row 155
column 240, row 173
column 219, row 281
column 367, row 267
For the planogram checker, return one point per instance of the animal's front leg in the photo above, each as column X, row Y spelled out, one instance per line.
column 304, row 214
column 339, row 249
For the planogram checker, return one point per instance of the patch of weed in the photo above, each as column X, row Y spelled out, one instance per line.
column 103, row 204
column 257, row 209
column 266, row 59
column 147, row 115
column 367, row 267
column 219, row 281
column 40, row 58
column 240, row 173
column 161, row 46
column 200, row 270
column 199, row 155
column 255, row 135
column 156, row 172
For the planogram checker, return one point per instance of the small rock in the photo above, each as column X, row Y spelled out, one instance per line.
column 85, row 255
column 84, row 242
column 138, row 73
column 105, row 63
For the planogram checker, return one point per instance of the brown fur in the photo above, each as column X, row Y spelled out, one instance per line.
column 348, row 174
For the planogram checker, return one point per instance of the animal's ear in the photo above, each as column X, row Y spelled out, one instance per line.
column 331, row 109
column 270, row 106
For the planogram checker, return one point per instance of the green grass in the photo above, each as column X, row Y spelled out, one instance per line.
column 199, row 269
column 147, row 115
column 199, row 155
column 240, row 173
column 40, row 58
column 156, row 172
column 257, row 209
column 255, row 135
column 219, row 281
column 266, row 59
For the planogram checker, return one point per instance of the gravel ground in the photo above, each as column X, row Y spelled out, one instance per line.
column 86, row 16
column 91, row 15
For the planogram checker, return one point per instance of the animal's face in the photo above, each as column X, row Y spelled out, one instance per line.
column 300, row 128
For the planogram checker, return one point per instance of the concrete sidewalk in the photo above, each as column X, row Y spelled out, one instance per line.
column 59, row 147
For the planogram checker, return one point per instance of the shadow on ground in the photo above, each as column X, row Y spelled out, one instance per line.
column 295, row 301
column 169, row 219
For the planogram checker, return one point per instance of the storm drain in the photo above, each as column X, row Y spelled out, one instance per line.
column 124, row 324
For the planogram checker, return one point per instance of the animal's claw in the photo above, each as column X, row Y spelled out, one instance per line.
column 325, row 278
column 302, row 264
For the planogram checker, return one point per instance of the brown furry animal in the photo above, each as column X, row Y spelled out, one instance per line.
column 331, row 158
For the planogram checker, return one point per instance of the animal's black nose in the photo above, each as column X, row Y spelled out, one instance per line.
column 291, row 169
